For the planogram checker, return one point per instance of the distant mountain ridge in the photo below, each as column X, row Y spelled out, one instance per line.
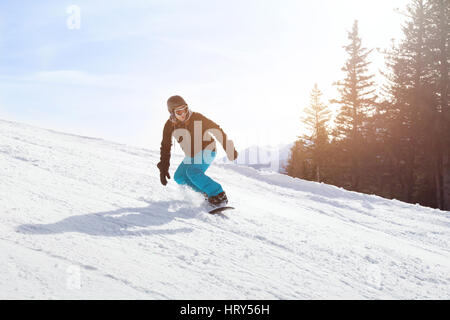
column 273, row 158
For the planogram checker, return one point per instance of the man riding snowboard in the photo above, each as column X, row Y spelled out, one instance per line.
column 192, row 130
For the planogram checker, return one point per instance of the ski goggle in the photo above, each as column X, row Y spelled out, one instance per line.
column 181, row 110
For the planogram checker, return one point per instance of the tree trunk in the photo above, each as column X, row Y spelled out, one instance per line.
column 409, row 181
column 445, row 108
column 438, row 182
column 446, row 180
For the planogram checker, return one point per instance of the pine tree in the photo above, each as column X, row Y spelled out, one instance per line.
column 317, row 116
column 418, row 99
column 439, row 42
column 298, row 165
column 397, row 115
column 424, row 103
column 357, row 101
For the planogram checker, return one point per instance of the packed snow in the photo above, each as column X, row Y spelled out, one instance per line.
column 84, row 218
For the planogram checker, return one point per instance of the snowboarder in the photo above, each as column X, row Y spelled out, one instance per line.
column 192, row 130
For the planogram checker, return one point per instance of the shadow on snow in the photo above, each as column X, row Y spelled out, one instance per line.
column 120, row 222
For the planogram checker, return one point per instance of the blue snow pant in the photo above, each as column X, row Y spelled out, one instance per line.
column 191, row 171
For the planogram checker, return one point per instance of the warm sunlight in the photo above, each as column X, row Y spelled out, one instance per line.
column 225, row 157
column 255, row 59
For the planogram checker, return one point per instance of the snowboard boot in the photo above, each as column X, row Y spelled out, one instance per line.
column 219, row 200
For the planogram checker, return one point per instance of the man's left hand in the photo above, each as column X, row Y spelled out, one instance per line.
column 232, row 156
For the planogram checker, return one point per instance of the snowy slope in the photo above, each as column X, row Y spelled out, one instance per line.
column 85, row 218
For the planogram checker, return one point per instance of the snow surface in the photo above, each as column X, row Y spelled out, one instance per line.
column 84, row 218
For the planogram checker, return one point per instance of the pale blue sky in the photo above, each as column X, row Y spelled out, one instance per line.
column 249, row 65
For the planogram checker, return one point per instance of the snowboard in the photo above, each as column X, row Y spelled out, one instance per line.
column 220, row 209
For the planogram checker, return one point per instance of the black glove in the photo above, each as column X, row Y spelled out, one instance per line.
column 163, row 173
column 163, row 176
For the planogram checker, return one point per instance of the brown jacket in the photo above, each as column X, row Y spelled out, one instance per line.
column 194, row 135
